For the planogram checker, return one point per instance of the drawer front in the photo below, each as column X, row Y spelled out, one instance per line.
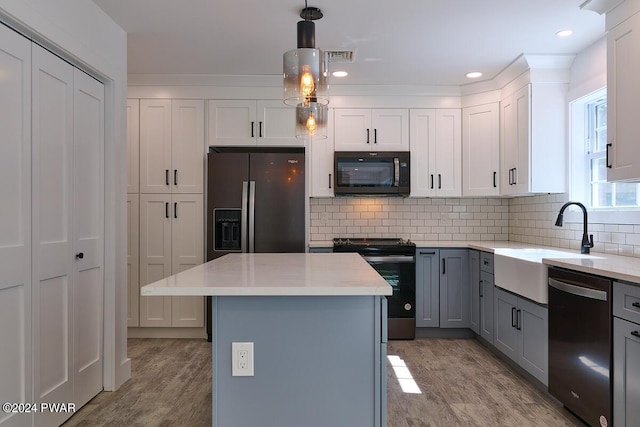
column 486, row 262
column 626, row 302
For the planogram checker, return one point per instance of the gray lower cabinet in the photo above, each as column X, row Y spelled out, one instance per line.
column 454, row 288
column 521, row 332
column 442, row 288
column 427, row 288
column 481, row 296
column 626, row 354
column 320, row 250
column 474, row 285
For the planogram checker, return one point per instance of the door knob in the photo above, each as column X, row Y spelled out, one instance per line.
column 79, row 255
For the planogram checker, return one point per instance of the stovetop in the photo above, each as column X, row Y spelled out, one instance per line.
column 375, row 245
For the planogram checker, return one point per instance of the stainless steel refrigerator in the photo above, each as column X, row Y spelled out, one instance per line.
column 255, row 202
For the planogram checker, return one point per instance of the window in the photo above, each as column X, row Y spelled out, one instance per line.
column 599, row 193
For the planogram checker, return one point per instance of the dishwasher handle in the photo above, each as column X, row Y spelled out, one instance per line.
column 578, row 290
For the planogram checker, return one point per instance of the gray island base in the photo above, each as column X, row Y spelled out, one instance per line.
column 318, row 327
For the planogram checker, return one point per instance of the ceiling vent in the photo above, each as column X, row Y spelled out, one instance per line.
column 341, row 56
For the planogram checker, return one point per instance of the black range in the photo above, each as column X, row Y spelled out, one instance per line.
column 393, row 259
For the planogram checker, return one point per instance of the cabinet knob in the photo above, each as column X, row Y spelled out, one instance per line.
column 79, row 255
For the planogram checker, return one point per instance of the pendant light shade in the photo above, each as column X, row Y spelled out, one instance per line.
column 305, row 73
column 311, row 120
column 305, row 77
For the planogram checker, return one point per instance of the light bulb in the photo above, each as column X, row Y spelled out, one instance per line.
column 311, row 124
column 307, row 86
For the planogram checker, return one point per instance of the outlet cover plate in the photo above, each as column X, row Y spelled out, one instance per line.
column 239, row 366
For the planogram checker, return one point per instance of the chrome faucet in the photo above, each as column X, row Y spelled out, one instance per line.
column 587, row 240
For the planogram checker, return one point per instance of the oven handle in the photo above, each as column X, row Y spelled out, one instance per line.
column 392, row 258
column 578, row 290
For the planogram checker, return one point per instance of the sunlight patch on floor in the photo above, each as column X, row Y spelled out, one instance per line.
column 405, row 379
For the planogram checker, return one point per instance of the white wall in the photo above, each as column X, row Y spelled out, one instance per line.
column 83, row 34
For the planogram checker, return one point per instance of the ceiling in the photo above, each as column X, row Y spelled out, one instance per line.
column 408, row 42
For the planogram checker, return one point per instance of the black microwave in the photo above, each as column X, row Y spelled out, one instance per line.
column 382, row 173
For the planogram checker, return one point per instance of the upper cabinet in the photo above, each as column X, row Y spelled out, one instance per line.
column 321, row 160
column 481, row 150
column 533, row 139
column 251, row 123
column 171, row 146
column 377, row 129
column 436, row 153
column 623, row 92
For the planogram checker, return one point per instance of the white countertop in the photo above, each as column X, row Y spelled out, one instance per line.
column 613, row 266
column 275, row 274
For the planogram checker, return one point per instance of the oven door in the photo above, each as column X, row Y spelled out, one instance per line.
column 400, row 272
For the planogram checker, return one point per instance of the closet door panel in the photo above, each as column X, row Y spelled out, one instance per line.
column 52, row 163
column 15, row 227
column 88, row 237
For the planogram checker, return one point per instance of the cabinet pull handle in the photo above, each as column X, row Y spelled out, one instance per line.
column 79, row 255
column 495, row 174
column 432, row 181
column 513, row 317
column 375, row 136
column 515, row 176
column 175, row 209
column 443, row 265
column 636, row 304
column 166, row 209
column 253, row 125
column 260, row 129
column 427, row 253
column 367, row 136
column 166, row 176
column 607, row 155
column 175, row 177
column 329, row 181
column 519, row 319
column 480, row 288
column 635, row 334
column 439, row 181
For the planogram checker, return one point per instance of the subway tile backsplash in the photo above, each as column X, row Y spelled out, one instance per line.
column 522, row 219
column 409, row 218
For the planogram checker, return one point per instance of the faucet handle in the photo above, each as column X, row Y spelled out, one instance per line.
column 590, row 240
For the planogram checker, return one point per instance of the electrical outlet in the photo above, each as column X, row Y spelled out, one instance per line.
column 242, row 359
column 324, row 218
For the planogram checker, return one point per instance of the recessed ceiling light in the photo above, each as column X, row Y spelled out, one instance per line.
column 339, row 74
column 564, row 33
column 474, row 74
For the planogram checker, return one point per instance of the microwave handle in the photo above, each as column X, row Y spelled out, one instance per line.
column 396, row 167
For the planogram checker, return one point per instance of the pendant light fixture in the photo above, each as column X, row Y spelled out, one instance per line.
column 306, row 79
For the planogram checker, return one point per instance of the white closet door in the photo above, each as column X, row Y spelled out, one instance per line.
column 15, row 226
column 88, row 236
column 52, row 163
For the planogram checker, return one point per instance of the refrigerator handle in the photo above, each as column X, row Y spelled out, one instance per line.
column 252, row 216
column 243, row 219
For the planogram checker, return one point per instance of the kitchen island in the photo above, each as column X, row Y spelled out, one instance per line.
column 317, row 323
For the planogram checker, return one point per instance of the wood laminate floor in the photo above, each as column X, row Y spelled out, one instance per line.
column 461, row 382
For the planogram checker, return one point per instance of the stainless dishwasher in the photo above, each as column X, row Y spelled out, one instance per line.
column 580, row 344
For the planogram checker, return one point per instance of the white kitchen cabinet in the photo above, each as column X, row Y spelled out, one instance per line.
column 377, row 129
column 481, row 150
column 533, row 139
column 171, row 240
column 171, row 146
column 321, row 159
column 133, row 259
column 436, row 152
column 133, row 145
column 521, row 332
column 251, row 123
column 623, row 92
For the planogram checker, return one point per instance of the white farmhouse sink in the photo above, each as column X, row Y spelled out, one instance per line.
column 522, row 272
